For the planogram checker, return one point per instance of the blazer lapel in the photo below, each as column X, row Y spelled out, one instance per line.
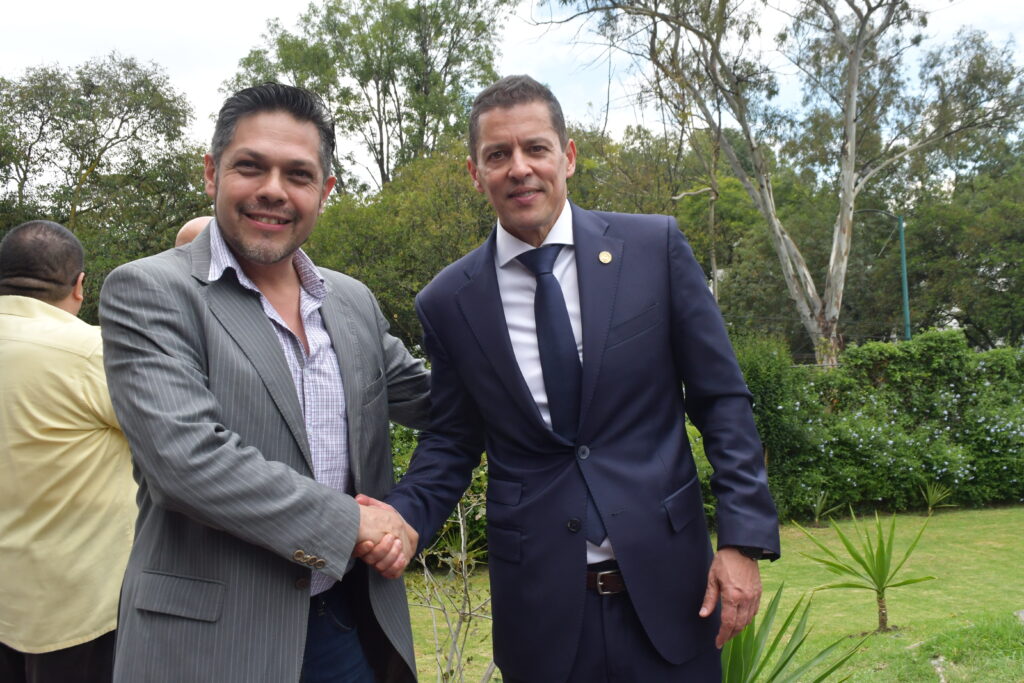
column 239, row 311
column 479, row 300
column 598, row 283
column 336, row 317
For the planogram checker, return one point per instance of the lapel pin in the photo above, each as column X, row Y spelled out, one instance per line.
column 605, row 257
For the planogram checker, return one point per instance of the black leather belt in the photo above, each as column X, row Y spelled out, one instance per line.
column 606, row 581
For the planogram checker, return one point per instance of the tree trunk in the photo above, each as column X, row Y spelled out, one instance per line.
column 883, row 613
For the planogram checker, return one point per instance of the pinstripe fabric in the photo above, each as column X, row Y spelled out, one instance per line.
column 226, row 493
column 315, row 373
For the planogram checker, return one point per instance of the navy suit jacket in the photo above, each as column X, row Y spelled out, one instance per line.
column 650, row 328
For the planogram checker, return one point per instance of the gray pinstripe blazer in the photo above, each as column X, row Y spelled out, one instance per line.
column 226, row 494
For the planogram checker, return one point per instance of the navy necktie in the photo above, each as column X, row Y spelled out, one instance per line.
column 559, row 360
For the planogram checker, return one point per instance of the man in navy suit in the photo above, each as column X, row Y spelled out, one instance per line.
column 600, row 561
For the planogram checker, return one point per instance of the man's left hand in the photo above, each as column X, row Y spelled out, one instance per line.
column 737, row 581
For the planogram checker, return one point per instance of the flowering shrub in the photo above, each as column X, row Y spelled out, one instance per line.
column 892, row 418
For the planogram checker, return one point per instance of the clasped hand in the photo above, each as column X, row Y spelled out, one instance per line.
column 385, row 541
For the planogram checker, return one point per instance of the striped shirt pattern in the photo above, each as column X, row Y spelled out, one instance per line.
column 316, row 373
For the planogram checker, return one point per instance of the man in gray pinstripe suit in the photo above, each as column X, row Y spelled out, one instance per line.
column 255, row 390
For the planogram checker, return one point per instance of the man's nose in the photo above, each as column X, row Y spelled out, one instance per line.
column 272, row 189
column 519, row 167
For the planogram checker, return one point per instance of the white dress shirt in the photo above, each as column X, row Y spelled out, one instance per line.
column 517, row 285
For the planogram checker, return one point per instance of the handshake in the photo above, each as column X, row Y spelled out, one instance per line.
column 385, row 541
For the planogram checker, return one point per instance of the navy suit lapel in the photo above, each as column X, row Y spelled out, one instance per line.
column 598, row 283
column 479, row 301
column 242, row 316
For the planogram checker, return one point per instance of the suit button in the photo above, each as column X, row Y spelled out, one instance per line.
column 302, row 583
column 299, row 556
column 320, row 564
column 574, row 525
column 583, row 452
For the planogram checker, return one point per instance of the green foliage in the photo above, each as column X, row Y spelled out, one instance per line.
column 463, row 538
column 397, row 240
column 397, row 74
column 704, row 471
column 100, row 148
column 749, row 657
column 894, row 417
column 820, row 508
column 873, row 565
column 767, row 369
column 639, row 174
column 934, row 493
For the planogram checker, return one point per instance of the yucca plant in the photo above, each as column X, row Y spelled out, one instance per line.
column 749, row 657
column 819, row 508
column 872, row 567
column 934, row 493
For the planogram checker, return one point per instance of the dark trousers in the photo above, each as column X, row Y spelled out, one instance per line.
column 333, row 651
column 615, row 649
column 91, row 662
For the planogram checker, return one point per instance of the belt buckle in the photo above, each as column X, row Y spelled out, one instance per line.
column 600, row 581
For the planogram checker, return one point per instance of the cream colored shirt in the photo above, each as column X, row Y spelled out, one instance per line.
column 67, row 498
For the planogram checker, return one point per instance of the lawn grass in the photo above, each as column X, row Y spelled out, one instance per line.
column 962, row 622
column 964, row 616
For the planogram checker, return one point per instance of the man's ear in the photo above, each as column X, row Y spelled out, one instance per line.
column 210, row 175
column 326, row 192
column 471, row 167
column 78, row 290
column 570, row 155
column 72, row 303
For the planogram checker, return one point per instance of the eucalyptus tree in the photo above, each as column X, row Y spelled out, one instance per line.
column 861, row 112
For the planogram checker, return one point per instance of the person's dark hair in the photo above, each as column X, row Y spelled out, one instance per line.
column 509, row 92
column 40, row 259
column 271, row 97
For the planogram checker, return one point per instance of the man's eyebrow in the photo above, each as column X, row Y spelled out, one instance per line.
column 258, row 156
column 527, row 142
column 493, row 146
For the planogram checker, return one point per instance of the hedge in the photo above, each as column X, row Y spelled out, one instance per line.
column 872, row 432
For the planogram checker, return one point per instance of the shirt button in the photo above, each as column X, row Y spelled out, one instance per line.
column 302, row 583
column 583, row 452
column 574, row 525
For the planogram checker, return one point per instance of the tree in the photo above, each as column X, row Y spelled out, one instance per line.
column 967, row 260
column 72, row 126
column 860, row 109
column 397, row 74
column 397, row 240
column 148, row 199
column 640, row 174
column 100, row 148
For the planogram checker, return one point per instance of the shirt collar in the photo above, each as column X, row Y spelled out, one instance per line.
column 508, row 247
column 222, row 258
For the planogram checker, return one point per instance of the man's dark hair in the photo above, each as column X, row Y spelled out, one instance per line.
column 273, row 97
column 40, row 259
column 509, row 92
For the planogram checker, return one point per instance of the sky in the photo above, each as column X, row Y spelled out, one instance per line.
column 199, row 43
